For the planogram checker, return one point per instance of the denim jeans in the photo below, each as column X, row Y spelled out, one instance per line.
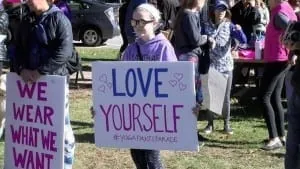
column 69, row 142
column 292, row 156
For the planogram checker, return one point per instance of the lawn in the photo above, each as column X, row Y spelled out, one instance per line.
column 239, row 151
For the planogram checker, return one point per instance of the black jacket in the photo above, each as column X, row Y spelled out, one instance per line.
column 3, row 31
column 168, row 9
column 246, row 17
column 45, row 43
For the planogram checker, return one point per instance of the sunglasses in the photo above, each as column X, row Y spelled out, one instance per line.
column 140, row 22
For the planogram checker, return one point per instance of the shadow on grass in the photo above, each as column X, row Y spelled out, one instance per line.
column 232, row 144
column 81, row 86
column 80, row 123
column 96, row 59
column 80, row 44
column 85, row 138
column 278, row 155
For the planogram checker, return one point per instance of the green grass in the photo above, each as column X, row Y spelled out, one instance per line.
column 94, row 54
column 239, row 151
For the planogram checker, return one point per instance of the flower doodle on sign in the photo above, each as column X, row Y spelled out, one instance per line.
column 182, row 86
column 103, row 78
column 105, row 84
column 109, row 85
column 173, row 83
column 101, row 89
column 177, row 78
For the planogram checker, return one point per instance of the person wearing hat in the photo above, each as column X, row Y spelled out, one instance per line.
column 223, row 31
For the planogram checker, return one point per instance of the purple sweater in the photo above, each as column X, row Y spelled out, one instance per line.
column 156, row 49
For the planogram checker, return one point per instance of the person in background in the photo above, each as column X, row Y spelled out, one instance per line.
column 245, row 14
column 63, row 6
column 223, row 32
column 289, row 88
column 190, row 44
column 131, row 36
column 3, row 57
column 148, row 47
column 296, row 6
column 122, row 17
column 275, row 69
column 292, row 155
column 168, row 9
column 4, row 22
column 43, row 47
column 260, row 28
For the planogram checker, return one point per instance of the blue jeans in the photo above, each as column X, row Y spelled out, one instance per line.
column 292, row 156
column 194, row 59
column 146, row 159
column 69, row 144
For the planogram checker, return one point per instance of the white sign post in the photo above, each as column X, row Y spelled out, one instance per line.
column 35, row 123
column 144, row 105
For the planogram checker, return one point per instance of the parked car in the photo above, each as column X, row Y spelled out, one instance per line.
column 93, row 21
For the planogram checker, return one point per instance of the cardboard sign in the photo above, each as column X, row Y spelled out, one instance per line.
column 214, row 86
column 144, row 105
column 34, row 134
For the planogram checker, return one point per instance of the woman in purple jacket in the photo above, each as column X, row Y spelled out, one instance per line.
column 147, row 47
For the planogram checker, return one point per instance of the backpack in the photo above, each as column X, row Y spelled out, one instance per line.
column 74, row 62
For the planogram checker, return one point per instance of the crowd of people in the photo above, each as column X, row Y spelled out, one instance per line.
column 207, row 37
column 200, row 31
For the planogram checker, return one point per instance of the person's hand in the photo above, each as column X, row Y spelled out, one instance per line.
column 251, row 3
column 238, row 27
column 293, row 60
column 212, row 42
column 196, row 109
column 35, row 75
column 26, row 75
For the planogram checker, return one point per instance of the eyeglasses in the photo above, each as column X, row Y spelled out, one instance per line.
column 140, row 22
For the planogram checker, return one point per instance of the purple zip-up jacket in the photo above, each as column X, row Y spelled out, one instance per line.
column 156, row 49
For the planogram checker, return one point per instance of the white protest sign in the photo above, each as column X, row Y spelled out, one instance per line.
column 213, row 89
column 34, row 134
column 144, row 105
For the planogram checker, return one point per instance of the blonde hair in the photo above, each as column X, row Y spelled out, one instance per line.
column 154, row 12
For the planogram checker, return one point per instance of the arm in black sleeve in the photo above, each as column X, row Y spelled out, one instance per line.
column 192, row 31
column 21, row 46
column 281, row 21
column 62, row 46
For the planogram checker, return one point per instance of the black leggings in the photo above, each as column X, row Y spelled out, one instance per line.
column 146, row 159
column 270, row 95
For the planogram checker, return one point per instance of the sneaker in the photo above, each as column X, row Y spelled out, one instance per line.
column 228, row 130
column 272, row 145
column 208, row 129
column 283, row 140
column 201, row 138
column 2, row 124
